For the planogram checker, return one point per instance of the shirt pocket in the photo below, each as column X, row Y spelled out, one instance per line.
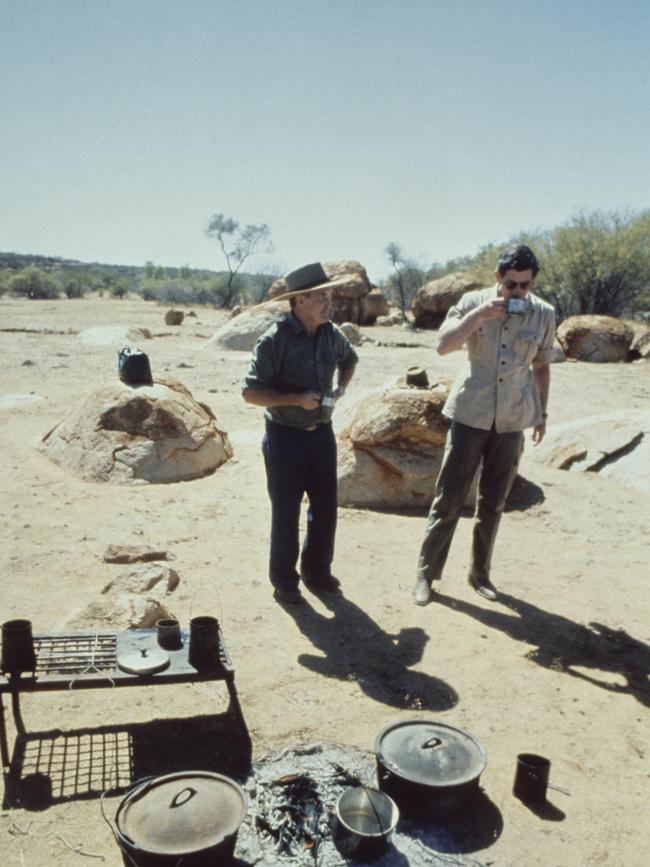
column 297, row 369
column 479, row 342
column 527, row 345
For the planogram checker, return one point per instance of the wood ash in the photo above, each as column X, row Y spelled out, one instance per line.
column 293, row 795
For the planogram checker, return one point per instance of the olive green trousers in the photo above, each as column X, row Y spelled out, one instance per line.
column 465, row 449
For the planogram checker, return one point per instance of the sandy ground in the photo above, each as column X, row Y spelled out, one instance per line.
column 558, row 666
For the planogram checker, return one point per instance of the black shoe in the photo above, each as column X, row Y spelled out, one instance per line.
column 288, row 597
column 422, row 592
column 326, row 584
column 484, row 588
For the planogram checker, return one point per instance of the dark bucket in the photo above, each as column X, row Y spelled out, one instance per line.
column 17, row 647
column 204, row 643
column 133, row 366
column 531, row 778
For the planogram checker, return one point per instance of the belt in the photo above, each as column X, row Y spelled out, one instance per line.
column 310, row 429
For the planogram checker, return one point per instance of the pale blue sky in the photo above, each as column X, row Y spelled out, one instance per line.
column 343, row 125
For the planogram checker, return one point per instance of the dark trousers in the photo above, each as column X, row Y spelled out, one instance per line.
column 299, row 462
column 464, row 449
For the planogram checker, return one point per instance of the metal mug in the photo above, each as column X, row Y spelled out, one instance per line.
column 531, row 778
column 169, row 634
column 17, row 647
column 204, row 643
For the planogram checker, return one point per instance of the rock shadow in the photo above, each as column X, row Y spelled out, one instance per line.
column 355, row 648
column 523, row 495
column 562, row 645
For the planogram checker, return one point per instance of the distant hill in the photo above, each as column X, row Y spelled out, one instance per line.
column 54, row 276
column 17, row 261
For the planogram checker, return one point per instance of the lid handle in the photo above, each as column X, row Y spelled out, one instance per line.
column 431, row 744
column 182, row 797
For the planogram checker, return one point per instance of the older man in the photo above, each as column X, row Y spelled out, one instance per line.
column 292, row 377
column 502, row 390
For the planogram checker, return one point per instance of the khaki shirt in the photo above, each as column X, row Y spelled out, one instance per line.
column 287, row 359
column 496, row 384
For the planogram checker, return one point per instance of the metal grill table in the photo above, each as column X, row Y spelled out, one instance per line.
column 89, row 661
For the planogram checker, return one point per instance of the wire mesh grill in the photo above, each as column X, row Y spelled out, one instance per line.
column 74, row 654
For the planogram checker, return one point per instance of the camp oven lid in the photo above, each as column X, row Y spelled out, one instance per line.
column 183, row 812
column 430, row 753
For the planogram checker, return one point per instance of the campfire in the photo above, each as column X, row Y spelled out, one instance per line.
column 292, row 800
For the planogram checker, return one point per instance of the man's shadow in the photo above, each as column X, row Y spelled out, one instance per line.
column 563, row 645
column 356, row 649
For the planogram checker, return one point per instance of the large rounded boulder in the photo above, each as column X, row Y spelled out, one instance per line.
column 390, row 452
column 433, row 300
column 640, row 346
column 129, row 435
column 598, row 339
column 372, row 306
column 243, row 331
column 615, row 444
column 114, row 335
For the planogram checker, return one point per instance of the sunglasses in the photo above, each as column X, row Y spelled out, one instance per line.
column 514, row 284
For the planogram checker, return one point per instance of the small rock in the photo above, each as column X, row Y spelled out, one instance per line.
column 125, row 611
column 143, row 578
column 174, row 317
column 134, row 554
column 352, row 332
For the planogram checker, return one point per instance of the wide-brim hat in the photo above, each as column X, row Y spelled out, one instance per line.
column 309, row 278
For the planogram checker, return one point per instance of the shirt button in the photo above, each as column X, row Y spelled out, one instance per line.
column 503, row 362
column 500, row 380
column 503, row 346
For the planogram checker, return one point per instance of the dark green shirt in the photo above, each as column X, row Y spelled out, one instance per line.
column 287, row 359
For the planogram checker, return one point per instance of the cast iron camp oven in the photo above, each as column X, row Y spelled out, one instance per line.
column 189, row 818
column 428, row 767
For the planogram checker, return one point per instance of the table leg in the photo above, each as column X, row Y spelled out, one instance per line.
column 4, row 746
column 15, row 709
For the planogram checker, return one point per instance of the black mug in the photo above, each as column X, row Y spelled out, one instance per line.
column 17, row 647
column 204, row 643
column 531, row 778
column 169, row 633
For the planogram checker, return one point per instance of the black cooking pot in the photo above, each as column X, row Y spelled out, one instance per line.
column 190, row 818
column 427, row 767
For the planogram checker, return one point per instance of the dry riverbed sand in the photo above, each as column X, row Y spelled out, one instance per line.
column 558, row 666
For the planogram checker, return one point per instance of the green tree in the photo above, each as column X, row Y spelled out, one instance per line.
column 597, row 263
column 237, row 245
column 76, row 287
column 34, row 283
column 119, row 288
column 4, row 283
